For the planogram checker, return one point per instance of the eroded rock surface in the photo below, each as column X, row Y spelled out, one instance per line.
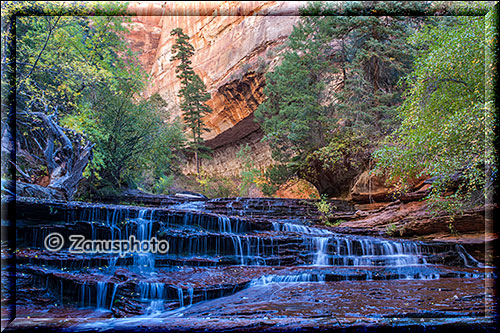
column 235, row 44
column 240, row 264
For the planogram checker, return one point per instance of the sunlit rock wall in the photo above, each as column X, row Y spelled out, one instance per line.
column 235, row 44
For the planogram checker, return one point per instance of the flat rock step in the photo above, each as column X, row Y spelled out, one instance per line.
column 71, row 261
column 34, row 212
column 73, row 286
column 275, row 207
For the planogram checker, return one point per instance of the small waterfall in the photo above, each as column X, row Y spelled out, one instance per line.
column 321, row 256
column 238, row 248
column 224, row 224
column 102, row 293
column 469, row 261
column 304, row 277
column 115, row 288
column 85, row 295
column 298, row 228
column 353, row 251
column 180, row 296
column 82, row 295
column 112, row 262
column 144, row 261
column 151, row 290
column 190, row 293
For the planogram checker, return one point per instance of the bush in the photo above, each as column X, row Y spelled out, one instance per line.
column 163, row 185
column 325, row 208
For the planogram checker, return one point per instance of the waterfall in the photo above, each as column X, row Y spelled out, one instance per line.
column 86, row 295
column 115, row 288
column 82, row 293
column 304, row 277
column 295, row 252
column 321, row 256
column 180, row 296
column 224, row 224
column 190, row 293
column 238, row 248
column 102, row 293
column 297, row 228
column 144, row 261
column 469, row 261
column 151, row 290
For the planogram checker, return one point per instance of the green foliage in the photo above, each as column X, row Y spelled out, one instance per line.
column 249, row 174
column 335, row 223
column 267, row 189
column 278, row 174
column 193, row 92
column 325, row 137
column 163, row 184
column 61, row 58
column 133, row 140
column 391, row 229
column 326, row 210
column 447, row 120
column 79, row 71
column 216, row 187
column 273, row 177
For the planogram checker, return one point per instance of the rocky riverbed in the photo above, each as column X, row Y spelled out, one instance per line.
column 241, row 264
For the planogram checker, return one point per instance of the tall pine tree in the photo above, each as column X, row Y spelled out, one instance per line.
column 322, row 135
column 193, row 93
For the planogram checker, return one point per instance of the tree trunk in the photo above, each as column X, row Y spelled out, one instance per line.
column 65, row 165
column 197, row 162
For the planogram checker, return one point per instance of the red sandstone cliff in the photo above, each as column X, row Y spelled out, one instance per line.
column 235, row 43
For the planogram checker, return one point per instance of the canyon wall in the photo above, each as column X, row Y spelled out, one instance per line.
column 235, row 44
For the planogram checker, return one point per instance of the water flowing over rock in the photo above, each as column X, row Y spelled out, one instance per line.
column 236, row 252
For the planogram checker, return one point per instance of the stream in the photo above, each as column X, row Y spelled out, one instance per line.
column 237, row 264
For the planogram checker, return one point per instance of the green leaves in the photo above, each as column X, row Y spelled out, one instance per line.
column 80, row 70
column 444, row 115
column 193, row 92
column 334, row 94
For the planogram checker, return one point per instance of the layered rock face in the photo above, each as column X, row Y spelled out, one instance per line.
column 235, row 44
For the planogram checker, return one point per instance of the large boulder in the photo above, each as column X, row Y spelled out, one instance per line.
column 370, row 188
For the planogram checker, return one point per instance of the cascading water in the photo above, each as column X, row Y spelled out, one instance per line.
column 115, row 288
column 321, row 255
column 213, row 255
column 353, row 251
column 190, row 294
column 151, row 290
column 102, row 293
column 154, row 292
column 180, row 295
column 144, row 261
column 291, row 278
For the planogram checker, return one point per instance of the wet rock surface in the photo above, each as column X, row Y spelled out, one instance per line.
column 239, row 264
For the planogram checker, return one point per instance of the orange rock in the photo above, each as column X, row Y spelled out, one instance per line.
column 229, row 39
column 235, row 42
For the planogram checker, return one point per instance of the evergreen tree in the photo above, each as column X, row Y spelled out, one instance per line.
column 326, row 137
column 76, row 114
column 193, row 93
